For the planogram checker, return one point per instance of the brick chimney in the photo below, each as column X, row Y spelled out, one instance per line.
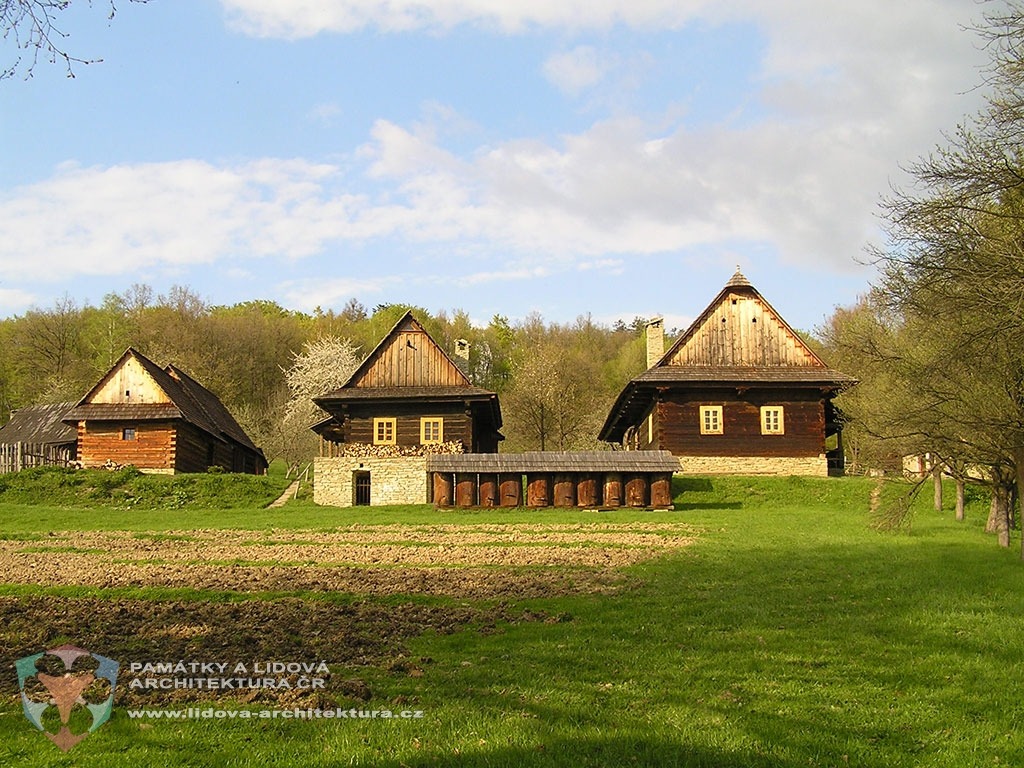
column 655, row 340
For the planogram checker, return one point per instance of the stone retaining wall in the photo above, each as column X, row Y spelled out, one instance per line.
column 392, row 480
column 809, row 466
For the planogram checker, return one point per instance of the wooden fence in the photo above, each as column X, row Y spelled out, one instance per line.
column 15, row 457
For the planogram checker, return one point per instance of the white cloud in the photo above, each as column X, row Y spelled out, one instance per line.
column 125, row 218
column 845, row 98
column 304, row 18
column 307, row 294
column 14, row 300
column 325, row 113
column 502, row 276
column 595, row 197
column 576, row 70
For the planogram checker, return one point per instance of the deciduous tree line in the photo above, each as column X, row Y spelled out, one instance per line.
column 266, row 362
column 938, row 343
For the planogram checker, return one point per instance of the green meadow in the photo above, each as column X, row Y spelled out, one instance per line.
column 790, row 633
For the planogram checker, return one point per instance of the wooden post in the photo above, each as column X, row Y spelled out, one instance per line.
column 661, row 490
column 488, row 490
column 465, row 489
column 564, row 490
column 587, row 491
column 636, row 490
column 538, row 490
column 510, row 487
column 443, row 489
column 613, row 489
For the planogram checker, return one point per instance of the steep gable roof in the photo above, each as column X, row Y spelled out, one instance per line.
column 159, row 393
column 407, row 358
column 215, row 412
column 739, row 328
column 408, row 366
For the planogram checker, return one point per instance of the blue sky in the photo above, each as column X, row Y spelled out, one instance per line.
column 617, row 158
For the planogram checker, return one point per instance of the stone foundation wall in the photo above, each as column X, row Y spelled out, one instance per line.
column 809, row 466
column 392, row 480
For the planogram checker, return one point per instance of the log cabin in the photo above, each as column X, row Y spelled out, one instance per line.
column 408, row 394
column 738, row 392
column 159, row 420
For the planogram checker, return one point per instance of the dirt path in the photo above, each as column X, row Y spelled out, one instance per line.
column 281, row 500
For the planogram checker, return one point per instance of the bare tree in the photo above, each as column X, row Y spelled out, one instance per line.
column 32, row 27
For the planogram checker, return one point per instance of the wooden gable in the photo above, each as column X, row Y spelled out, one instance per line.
column 128, row 381
column 408, row 357
column 739, row 329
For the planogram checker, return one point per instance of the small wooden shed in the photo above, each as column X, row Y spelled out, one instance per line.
column 36, row 435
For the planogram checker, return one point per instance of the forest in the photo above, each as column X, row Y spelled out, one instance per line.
column 556, row 382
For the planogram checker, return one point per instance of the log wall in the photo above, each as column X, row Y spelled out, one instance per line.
column 458, row 425
column 153, row 447
column 678, row 425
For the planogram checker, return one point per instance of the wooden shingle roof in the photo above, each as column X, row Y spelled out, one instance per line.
column 745, row 374
column 555, row 461
column 41, row 424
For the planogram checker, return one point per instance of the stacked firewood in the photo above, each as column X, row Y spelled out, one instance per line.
column 367, row 451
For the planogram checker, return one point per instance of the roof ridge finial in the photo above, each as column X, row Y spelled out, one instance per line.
column 738, row 280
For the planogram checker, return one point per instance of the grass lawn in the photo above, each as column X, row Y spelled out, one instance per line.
column 789, row 634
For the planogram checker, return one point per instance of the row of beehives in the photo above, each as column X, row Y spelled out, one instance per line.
column 590, row 490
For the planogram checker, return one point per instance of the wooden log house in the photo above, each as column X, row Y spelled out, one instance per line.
column 739, row 392
column 407, row 393
column 159, row 420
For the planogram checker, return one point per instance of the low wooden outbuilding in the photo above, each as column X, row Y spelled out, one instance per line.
column 587, row 479
column 36, row 435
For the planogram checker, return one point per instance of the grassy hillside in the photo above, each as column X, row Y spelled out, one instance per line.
column 129, row 488
column 788, row 634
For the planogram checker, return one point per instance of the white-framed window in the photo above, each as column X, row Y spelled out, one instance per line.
column 431, row 429
column 383, row 431
column 711, row 420
column 772, row 420
column 128, row 433
column 650, row 428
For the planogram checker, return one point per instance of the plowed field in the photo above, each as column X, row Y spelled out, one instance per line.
column 491, row 566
